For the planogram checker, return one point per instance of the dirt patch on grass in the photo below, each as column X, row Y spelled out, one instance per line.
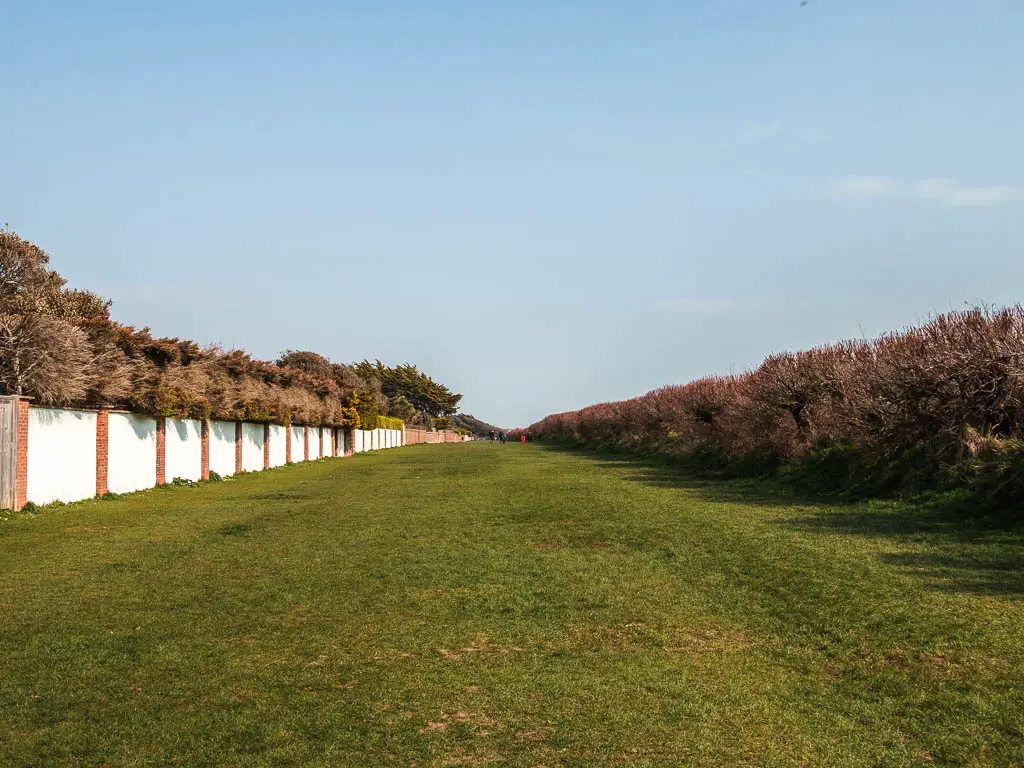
column 461, row 717
column 482, row 646
column 671, row 640
column 537, row 734
column 488, row 759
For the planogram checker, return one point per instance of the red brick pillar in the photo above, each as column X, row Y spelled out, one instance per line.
column 205, row 460
column 161, row 450
column 288, row 443
column 238, row 447
column 21, row 482
column 102, row 452
column 266, row 446
column 334, row 441
column 320, row 431
column 305, row 443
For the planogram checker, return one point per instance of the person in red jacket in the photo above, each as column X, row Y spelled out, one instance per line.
column 522, row 438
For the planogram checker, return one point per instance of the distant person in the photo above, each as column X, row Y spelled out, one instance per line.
column 492, row 435
column 522, row 438
column 501, row 437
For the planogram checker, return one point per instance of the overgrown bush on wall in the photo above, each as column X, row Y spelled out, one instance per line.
column 60, row 347
column 946, row 394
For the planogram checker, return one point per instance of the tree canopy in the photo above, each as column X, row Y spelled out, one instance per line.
column 408, row 382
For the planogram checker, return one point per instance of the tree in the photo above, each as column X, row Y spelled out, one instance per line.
column 44, row 357
column 55, row 343
column 420, row 390
column 310, row 362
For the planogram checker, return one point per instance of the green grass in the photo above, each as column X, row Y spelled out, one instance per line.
column 460, row 605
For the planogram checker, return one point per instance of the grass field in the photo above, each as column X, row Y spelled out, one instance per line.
column 486, row 605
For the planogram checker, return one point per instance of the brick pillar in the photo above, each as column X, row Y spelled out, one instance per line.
column 205, row 460
column 266, row 446
column 102, row 452
column 305, row 443
column 161, row 450
column 334, row 441
column 238, row 447
column 320, row 431
column 21, row 481
column 288, row 443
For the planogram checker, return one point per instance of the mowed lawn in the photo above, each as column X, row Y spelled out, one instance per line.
column 487, row 605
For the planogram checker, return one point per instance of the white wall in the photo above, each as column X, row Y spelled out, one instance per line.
column 222, row 447
column 314, row 443
column 131, row 452
column 357, row 441
column 277, row 445
column 183, row 452
column 252, row 447
column 297, row 449
column 61, row 455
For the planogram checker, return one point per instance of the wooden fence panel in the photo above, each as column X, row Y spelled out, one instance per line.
column 8, row 451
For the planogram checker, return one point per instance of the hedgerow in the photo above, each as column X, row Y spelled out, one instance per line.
column 915, row 407
column 61, row 347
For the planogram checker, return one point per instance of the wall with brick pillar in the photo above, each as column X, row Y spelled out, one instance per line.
column 298, row 443
column 183, row 450
column 253, row 447
column 60, row 463
column 205, row 460
column 161, row 451
column 278, row 445
column 69, row 455
column 223, row 447
column 131, row 452
column 238, row 447
column 21, row 473
column 266, row 446
column 102, row 451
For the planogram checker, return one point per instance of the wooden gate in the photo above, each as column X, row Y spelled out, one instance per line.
column 8, row 451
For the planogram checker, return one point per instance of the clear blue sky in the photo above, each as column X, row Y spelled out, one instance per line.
column 543, row 204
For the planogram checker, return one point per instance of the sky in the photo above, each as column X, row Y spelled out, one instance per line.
column 542, row 204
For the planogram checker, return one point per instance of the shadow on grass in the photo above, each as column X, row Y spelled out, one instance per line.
column 950, row 543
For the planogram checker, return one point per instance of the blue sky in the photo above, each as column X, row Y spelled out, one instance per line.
column 543, row 204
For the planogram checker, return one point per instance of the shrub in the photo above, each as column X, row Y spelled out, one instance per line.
column 894, row 412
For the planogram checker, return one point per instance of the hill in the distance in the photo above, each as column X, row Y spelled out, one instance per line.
column 473, row 425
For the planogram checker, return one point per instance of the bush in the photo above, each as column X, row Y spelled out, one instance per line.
column 895, row 413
